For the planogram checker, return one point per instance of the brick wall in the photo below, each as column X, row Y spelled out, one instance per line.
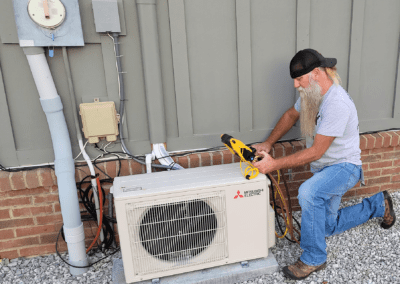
column 30, row 214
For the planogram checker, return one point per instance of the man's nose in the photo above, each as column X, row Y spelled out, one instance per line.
column 296, row 84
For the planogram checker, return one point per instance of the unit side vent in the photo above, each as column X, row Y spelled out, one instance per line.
column 177, row 232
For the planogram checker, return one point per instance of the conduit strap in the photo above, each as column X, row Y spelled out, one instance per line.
column 51, row 105
column 74, row 235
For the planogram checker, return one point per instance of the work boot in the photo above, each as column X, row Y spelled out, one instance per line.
column 390, row 217
column 300, row 270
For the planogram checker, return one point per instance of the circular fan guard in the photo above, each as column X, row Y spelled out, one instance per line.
column 178, row 231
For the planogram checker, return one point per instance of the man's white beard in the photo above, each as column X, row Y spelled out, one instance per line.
column 310, row 101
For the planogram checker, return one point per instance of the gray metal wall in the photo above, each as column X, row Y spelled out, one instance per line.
column 224, row 70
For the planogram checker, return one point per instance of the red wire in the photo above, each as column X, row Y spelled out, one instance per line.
column 101, row 215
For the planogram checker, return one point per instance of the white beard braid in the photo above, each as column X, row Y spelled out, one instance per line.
column 310, row 101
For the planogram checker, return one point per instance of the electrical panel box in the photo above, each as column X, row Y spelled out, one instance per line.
column 106, row 17
column 48, row 23
column 99, row 119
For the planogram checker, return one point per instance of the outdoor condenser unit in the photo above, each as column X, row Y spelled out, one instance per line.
column 178, row 221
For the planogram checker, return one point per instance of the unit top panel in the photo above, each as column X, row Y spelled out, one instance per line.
column 205, row 177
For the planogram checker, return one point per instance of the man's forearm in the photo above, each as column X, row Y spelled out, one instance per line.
column 281, row 128
column 297, row 159
column 269, row 164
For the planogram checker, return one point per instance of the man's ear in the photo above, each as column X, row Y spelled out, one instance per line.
column 315, row 73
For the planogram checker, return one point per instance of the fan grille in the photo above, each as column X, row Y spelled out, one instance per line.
column 177, row 233
column 184, row 229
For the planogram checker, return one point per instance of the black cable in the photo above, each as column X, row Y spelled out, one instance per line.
column 297, row 222
column 372, row 132
column 86, row 266
column 87, row 195
column 25, row 168
column 108, row 153
column 276, row 212
column 141, row 157
column 277, row 215
column 289, row 201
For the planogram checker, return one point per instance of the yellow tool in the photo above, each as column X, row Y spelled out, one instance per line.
column 245, row 153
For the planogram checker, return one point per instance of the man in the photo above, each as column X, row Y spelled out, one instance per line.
column 328, row 119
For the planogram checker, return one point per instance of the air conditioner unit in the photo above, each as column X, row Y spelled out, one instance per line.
column 178, row 221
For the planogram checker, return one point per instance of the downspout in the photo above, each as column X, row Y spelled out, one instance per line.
column 147, row 15
column 64, row 162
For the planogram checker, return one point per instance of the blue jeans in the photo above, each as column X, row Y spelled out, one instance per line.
column 320, row 197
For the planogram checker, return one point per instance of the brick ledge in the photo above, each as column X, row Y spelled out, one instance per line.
column 370, row 144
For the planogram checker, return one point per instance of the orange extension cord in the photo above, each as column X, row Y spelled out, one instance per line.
column 101, row 214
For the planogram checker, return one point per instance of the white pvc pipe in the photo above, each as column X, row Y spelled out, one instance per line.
column 94, row 185
column 149, row 158
column 163, row 156
column 42, row 76
column 64, row 162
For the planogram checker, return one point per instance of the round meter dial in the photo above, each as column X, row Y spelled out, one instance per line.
column 48, row 14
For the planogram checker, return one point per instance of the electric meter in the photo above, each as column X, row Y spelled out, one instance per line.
column 48, row 14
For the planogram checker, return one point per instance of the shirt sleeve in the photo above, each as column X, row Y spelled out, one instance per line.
column 334, row 119
column 297, row 105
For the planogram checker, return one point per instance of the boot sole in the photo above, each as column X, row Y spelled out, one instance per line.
column 289, row 274
column 389, row 199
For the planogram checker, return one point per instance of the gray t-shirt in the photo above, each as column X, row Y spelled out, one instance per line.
column 337, row 117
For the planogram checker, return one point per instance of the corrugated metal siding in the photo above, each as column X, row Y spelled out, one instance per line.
column 224, row 70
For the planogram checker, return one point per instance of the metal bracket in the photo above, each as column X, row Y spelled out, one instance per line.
column 290, row 174
column 155, row 281
column 244, row 264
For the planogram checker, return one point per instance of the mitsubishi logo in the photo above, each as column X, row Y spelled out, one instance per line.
column 238, row 195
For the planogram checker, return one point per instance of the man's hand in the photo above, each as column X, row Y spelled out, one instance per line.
column 266, row 147
column 267, row 164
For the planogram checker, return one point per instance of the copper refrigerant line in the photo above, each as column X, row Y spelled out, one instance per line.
column 286, row 212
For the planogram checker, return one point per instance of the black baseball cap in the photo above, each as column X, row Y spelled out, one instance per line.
column 306, row 60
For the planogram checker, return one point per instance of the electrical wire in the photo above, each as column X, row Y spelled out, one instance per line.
column 284, row 211
column 86, row 266
column 84, row 146
column 121, row 91
column 101, row 216
column 291, row 218
column 86, row 195
column 105, row 153
column 282, row 199
column 141, row 158
column 250, row 170
column 29, row 168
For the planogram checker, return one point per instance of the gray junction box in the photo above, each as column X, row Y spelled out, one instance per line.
column 106, row 17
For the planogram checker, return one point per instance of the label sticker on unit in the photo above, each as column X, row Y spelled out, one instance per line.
column 248, row 193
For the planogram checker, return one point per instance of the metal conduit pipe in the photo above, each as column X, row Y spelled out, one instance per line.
column 64, row 162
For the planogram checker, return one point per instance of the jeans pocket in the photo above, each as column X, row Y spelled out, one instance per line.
column 354, row 177
column 348, row 167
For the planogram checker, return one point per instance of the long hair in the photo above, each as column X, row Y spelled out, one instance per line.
column 332, row 74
